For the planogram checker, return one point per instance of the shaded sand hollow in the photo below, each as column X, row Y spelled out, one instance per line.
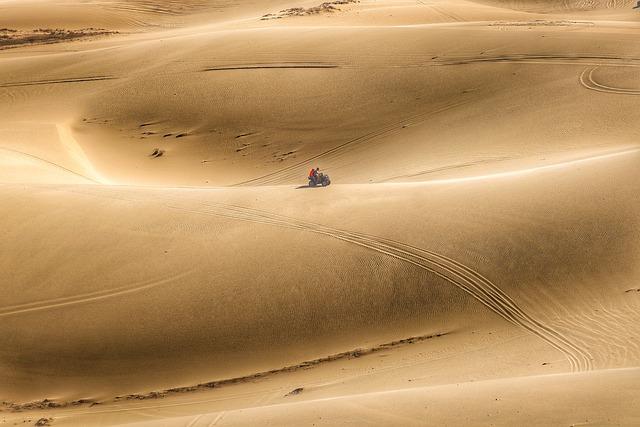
column 475, row 260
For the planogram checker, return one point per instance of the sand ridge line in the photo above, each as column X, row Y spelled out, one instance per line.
column 292, row 170
column 505, row 174
column 454, row 272
column 541, row 58
column 543, row 23
column 76, row 152
column 519, row 172
column 355, row 353
column 449, row 167
column 89, row 296
column 50, row 163
column 350, row 354
column 271, row 66
column 58, row 81
column 587, row 80
column 528, row 383
column 126, row 405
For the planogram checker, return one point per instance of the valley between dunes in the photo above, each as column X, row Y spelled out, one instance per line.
column 475, row 260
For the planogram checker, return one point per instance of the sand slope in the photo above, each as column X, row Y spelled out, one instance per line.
column 498, row 402
column 163, row 262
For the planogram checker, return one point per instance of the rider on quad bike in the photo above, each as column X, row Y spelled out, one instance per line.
column 318, row 178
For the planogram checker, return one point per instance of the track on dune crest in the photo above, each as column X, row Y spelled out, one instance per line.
column 454, row 272
column 292, row 171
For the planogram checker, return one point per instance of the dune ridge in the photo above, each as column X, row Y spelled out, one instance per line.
column 164, row 262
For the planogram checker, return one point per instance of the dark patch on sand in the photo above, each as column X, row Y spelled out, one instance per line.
column 359, row 352
column 10, row 38
column 351, row 354
column 45, row 404
column 156, row 153
column 326, row 7
column 295, row 391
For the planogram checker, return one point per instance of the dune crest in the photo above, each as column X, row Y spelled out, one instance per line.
column 164, row 262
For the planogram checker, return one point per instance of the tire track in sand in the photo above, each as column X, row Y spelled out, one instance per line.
column 293, row 170
column 75, row 151
column 88, row 297
column 454, row 272
column 57, row 81
column 441, row 11
column 587, row 80
column 560, row 59
column 275, row 66
column 50, row 163
column 195, row 420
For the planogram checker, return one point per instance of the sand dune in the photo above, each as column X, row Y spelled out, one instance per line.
column 164, row 263
column 477, row 403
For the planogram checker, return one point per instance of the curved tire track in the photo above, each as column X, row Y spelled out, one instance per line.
column 587, row 80
column 454, row 272
column 87, row 297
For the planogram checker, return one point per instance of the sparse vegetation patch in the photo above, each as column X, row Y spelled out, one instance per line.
column 301, row 11
column 14, row 38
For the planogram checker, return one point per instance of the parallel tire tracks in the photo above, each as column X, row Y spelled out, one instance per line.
column 292, row 171
column 587, row 80
column 88, row 297
column 454, row 272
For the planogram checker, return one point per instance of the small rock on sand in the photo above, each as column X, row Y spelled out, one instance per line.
column 295, row 391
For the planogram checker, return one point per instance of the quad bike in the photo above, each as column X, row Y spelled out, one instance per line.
column 320, row 179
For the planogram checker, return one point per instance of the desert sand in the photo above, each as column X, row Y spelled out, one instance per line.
column 475, row 260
